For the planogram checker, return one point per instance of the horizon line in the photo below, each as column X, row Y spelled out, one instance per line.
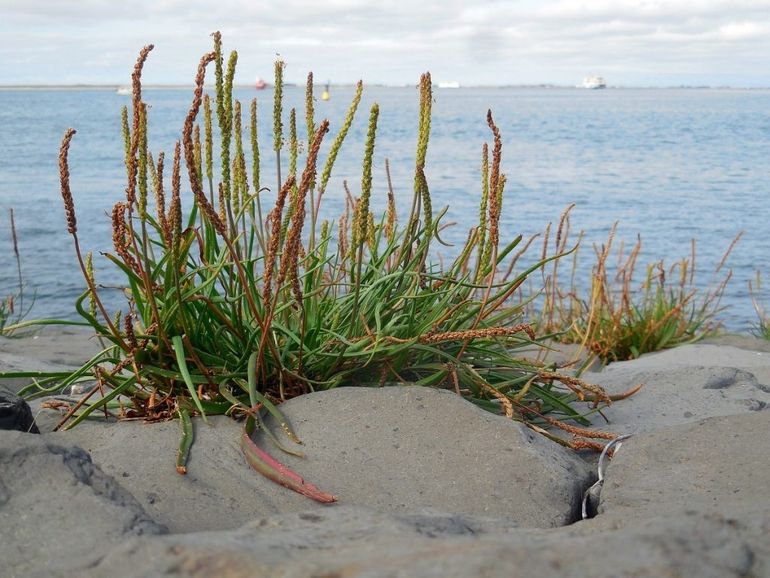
column 185, row 86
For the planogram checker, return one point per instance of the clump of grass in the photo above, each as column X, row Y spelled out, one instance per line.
column 761, row 328
column 231, row 313
column 622, row 318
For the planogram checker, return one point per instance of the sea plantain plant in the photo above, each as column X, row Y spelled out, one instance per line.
column 231, row 311
column 617, row 317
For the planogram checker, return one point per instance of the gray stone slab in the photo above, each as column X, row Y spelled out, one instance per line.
column 684, row 385
column 57, row 345
column 429, row 485
column 45, row 349
column 392, row 449
column 58, row 511
column 716, row 465
column 351, row 541
column 399, row 448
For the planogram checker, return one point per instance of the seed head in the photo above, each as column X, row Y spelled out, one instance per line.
column 64, row 179
column 91, row 283
column 494, row 184
column 390, row 221
column 278, row 106
column 209, row 139
column 289, row 260
column 174, row 218
column 274, row 219
column 337, row 144
column 160, row 200
column 254, row 146
column 120, row 235
column 136, row 81
column 189, row 148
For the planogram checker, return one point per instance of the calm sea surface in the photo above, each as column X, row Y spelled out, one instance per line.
column 670, row 165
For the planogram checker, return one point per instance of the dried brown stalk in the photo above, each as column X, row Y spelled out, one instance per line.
column 289, row 259
column 136, row 83
column 505, row 402
column 580, row 431
column 478, row 333
column 726, row 255
column 578, row 386
column 494, row 184
column 174, row 220
column 69, row 210
column 189, row 148
column 583, row 444
column 121, row 235
column 160, row 201
column 275, row 239
column 64, row 179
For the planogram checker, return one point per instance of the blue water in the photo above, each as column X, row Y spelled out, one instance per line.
column 669, row 164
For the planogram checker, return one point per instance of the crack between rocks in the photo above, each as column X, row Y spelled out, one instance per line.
column 576, row 515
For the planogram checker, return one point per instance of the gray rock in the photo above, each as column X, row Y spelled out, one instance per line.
column 350, row 541
column 682, row 501
column 57, row 345
column 397, row 449
column 726, row 377
column 52, row 348
column 15, row 413
column 428, row 484
column 739, row 341
column 684, row 386
column 58, row 511
column 716, row 465
column 220, row 490
column 13, row 363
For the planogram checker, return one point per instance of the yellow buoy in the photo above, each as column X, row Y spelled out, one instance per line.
column 325, row 94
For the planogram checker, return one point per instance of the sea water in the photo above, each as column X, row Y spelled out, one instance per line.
column 670, row 165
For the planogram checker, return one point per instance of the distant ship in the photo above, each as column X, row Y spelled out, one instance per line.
column 260, row 84
column 451, row 84
column 124, row 90
column 593, row 82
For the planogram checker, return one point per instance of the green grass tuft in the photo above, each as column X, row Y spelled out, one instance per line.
column 228, row 312
column 621, row 317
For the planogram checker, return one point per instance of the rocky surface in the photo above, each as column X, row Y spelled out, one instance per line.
column 391, row 449
column 346, row 541
column 428, row 486
column 685, row 385
column 59, row 511
column 47, row 346
column 714, row 465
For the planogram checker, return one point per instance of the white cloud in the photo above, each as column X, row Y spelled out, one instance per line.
column 489, row 41
column 742, row 30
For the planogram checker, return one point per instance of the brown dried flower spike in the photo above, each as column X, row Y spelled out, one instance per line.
column 64, row 178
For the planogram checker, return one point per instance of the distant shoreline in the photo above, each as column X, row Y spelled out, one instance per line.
column 115, row 87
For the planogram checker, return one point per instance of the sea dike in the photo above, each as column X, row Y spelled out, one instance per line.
column 428, row 485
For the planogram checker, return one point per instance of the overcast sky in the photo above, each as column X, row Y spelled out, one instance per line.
column 629, row 42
